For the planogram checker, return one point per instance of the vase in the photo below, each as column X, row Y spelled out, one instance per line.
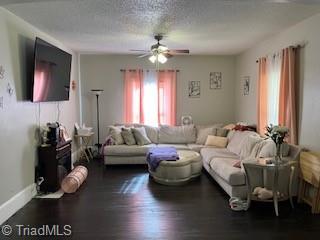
column 278, row 154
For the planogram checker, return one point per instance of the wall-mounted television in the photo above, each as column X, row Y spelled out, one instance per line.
column 51, row 77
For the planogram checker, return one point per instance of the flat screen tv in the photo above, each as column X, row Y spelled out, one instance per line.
column 51, row 78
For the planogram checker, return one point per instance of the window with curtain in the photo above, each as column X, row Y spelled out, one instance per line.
column 277, row 92
column 150, row 97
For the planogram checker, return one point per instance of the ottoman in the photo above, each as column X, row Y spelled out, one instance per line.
column 178, row 172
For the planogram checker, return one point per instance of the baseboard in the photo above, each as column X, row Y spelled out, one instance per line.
column 11, row 206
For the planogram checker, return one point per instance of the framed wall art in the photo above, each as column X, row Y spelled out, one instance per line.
column 246, row 85
column 194, row 89
column 215, row 80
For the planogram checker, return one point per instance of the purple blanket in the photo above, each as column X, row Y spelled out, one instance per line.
column 156, row 155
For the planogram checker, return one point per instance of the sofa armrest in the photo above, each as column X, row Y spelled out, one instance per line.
column 294, row 152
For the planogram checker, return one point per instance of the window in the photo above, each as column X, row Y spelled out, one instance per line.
column 150, row 97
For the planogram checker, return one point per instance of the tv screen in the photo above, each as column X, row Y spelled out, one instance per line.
column 52, row 67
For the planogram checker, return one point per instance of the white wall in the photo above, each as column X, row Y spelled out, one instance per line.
column 103, row 71
column 306, row 32
column 19, row 117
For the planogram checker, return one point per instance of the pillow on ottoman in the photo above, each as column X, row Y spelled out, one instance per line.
column 128, row 136
column 141, row 136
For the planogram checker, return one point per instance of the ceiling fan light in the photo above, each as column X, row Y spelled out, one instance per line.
column 162, row 58
column 152, row 58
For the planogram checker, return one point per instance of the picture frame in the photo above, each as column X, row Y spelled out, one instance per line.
column 246, row 85
column 215, row 81
column 194, row 89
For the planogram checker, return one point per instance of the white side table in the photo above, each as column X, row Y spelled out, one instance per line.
column 85, row 151
column 257, row 173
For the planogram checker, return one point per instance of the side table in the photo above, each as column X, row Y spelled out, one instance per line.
column 85, row 151
column 278, row 179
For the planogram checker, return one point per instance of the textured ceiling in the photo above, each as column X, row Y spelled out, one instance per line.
column 203, row 26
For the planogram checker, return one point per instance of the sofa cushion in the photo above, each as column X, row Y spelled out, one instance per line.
column 125, row 150
column 177, row 146
column 269, row 149
column 141, row 136
column 203, row 133
column 208, row 153
column 115, row 133
column 225, row 169
column 177, row 134
column 195, row 147
column 152, row 132
column 128, row 136
column 236, row 140
column 248, row 145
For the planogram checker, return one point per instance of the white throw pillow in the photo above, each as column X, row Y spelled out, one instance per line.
column 215, row 141
column 141, row 136
column 115, row 132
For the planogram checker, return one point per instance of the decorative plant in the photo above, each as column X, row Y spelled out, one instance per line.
column 278, row 135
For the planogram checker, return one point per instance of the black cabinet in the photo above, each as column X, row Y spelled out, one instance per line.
column 54, row 165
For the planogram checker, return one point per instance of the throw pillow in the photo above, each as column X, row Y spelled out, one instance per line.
column 128, row 136
column 141, row 136
column 215, row 141
column 222, row 132
column 115, row 132
column 202, row 134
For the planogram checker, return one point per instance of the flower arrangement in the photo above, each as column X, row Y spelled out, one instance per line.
column 277, row 133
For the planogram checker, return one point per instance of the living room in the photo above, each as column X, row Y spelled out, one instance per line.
column 226, row 37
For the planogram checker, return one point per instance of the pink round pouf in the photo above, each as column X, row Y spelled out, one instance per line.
column 73, row 180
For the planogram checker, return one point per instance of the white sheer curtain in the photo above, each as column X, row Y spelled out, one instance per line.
column 273, row 73
column 150, row 98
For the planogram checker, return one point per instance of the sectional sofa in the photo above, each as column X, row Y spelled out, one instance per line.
column 221, row 163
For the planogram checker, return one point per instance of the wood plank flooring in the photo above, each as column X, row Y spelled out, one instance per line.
column 123, row 203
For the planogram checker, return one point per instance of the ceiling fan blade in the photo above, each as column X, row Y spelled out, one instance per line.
column 177, row 51
column 168, row 55
column 139, row 50
column 143, row 55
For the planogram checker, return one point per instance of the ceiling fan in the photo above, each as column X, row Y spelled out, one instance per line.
column 159, row 52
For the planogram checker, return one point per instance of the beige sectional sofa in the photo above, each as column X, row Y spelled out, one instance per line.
column 218, row 162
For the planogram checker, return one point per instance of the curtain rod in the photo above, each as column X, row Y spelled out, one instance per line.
column 133, row 70
column 292, row 46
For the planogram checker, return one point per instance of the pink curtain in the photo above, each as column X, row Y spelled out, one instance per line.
column 262, row 96
column 167, row 84
column 136, row 100
column 288, row 100
column 132, row 96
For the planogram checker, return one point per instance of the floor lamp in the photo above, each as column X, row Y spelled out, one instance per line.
column 98, row 92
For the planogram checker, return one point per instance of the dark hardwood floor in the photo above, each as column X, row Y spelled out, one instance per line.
column 123, row 203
